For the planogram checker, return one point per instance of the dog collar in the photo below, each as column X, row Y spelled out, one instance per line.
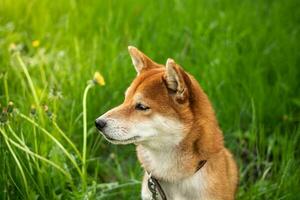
column 155, row 188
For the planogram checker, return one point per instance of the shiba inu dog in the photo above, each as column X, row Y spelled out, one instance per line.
column 179, row 142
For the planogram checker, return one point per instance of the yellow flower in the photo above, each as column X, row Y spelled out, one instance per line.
column 12, row 47
column 98, row 78
column 35, row 43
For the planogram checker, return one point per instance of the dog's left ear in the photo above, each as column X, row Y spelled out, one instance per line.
column 175, row 80
column 140, row 61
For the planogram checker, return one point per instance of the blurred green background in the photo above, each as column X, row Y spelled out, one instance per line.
column 245, row 54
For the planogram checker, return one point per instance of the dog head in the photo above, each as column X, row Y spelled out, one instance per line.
column 159, row 107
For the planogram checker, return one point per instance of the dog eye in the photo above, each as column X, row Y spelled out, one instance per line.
column 141, row 107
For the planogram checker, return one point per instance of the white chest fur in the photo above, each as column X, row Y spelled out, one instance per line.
column 191, row 188
column 167, row 164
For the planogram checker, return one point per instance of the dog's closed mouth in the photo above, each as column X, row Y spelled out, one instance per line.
column 132, row 139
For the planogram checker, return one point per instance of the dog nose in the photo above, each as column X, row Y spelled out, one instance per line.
column 100, row 124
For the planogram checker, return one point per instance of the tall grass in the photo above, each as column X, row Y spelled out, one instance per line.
column 245, row 55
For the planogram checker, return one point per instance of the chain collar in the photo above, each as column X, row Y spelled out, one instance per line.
column 155, row 188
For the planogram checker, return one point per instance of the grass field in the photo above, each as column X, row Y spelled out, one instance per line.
column 245, row 54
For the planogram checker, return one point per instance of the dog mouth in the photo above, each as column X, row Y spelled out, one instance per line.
column 125, row 141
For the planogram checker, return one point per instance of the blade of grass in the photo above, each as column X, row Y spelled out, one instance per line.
column 41, row 182
column 16, row 160
column 54, row 140
column 31, row 85
column 22, row 142
column 67, row 139
column 27, row 156
column 6, row 88
column 26, row 150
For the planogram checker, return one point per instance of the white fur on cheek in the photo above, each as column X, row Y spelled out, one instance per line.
column 158, row 131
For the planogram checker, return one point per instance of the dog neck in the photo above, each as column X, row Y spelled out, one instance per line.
column 168, row 163
column 180, row 158
column 162, row 164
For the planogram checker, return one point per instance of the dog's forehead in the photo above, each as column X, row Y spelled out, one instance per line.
column 146, row 84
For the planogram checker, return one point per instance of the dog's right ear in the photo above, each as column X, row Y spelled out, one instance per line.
column 175, row 80
column 140, row 61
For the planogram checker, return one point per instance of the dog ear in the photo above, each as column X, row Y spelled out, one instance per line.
column 174, row 78
column 140, row 61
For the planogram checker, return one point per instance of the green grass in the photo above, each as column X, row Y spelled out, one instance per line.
column 245, row 54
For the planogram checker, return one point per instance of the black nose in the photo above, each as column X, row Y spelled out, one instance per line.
column 100, row 124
